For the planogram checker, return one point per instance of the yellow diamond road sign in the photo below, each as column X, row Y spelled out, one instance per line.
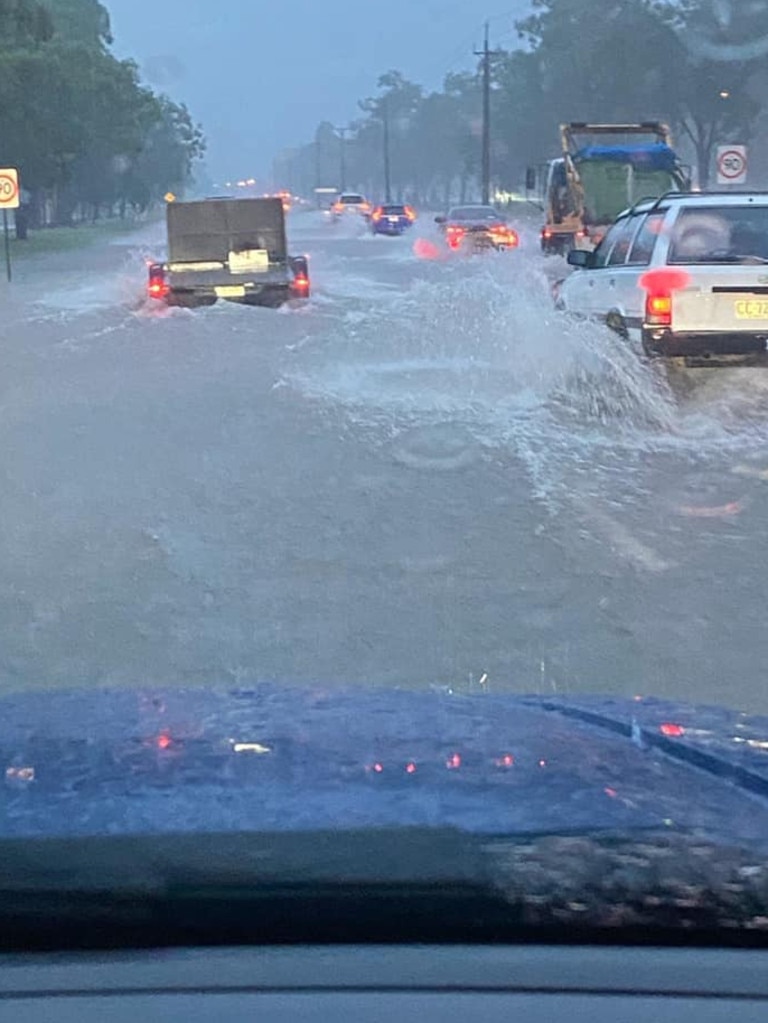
column 170, row 197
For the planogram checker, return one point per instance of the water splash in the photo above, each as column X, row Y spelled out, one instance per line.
column 483, row 355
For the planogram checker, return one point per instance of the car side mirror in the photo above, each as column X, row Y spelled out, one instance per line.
column 530, row 179
column 581, row 258
column 440, row 220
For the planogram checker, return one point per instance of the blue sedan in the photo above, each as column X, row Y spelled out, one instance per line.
column 392, row 218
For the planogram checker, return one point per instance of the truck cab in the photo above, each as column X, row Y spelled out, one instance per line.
column 232, row 249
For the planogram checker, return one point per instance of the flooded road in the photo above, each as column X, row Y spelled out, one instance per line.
column 425, row 477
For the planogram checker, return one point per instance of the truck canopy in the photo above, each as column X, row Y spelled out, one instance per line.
column 209, row 230
column 651, row 157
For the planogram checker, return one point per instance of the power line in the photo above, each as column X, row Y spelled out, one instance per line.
column 342, row 133
column 486, row 53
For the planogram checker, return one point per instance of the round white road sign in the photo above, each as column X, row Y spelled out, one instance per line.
column 731, row 165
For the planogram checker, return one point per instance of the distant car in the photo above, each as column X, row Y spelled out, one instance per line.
column 685, row 276
column 392, row 218
column 476, row 228
column 351, row 202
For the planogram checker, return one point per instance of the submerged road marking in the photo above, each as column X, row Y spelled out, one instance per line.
column 753, row 471
column 721, row 511
column 623, row 542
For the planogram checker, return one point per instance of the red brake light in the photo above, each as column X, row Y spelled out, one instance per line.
column 672, row 730
column 505, row 235
column 410, row 213
column 158, row 286
column 658, row 310
column 659, row 286
column 454, row 235
column 377, row 213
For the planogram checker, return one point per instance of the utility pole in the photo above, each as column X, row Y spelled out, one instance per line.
column 387, row 171
column 342, row 132
column 486, row 53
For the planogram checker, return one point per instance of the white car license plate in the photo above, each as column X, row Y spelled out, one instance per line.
column 751, row 309
column 230, row 291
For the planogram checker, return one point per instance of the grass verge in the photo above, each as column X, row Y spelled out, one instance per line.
column 62, row 239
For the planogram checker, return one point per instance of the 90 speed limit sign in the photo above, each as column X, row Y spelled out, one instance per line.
column 731, row 165
column 9, row 188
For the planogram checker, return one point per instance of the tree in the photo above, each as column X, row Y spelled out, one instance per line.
column 617, row 60
column 699, row 65
column 80, row 125
column 81, row 21
column 24, row 23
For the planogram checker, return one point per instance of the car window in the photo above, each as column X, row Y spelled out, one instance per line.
column 474, row 213
column 603, row 250
column 352, row 199
column 618, row 254
column 642, row 247
column 720, row 234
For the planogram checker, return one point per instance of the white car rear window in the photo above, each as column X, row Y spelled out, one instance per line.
column 720, row 234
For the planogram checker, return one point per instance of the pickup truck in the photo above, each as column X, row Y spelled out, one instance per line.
column 233, row 249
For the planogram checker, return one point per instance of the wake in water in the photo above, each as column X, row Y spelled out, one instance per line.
column 482, row 355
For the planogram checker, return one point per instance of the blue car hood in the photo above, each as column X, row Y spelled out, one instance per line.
column 271, row 758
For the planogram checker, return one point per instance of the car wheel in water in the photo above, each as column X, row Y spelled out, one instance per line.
column 615, row 321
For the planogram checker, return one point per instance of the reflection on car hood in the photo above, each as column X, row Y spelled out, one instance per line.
column 275, row 758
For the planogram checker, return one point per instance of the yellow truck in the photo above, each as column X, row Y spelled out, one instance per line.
column 604, row 168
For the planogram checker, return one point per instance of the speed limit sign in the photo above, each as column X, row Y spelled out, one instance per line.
column 9, row 188
column 731, row 165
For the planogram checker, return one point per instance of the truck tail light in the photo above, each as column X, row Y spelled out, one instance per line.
column 301, row 285
column 158, row 286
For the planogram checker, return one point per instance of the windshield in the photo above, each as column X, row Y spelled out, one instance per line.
column 317, row 521
column 720, row 234
column 473, row 213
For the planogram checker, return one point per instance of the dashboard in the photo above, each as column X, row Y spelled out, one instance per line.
column 388, row 983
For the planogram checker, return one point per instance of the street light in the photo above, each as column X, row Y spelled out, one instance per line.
column 725, row 94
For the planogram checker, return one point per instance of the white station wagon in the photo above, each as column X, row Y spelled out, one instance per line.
column 685, row 275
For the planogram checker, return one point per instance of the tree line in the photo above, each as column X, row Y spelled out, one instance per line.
column 88, row 137
column 699, row 65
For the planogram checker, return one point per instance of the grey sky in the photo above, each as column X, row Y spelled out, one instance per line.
column 260, row 75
